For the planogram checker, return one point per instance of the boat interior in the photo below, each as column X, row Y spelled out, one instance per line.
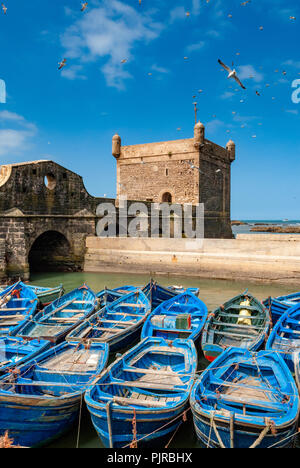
column 230, row 327
column 245, row 389
column 156, row 377
column 67, row 370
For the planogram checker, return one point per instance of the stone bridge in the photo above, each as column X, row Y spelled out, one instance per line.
column 46, row 214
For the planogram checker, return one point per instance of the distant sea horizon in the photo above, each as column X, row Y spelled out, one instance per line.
column 246, row 228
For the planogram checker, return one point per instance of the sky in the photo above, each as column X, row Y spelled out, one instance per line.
column 170, row 51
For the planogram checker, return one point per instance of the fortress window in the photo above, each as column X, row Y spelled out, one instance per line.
column 50, row 181
column 166, row 198
column 167, row 172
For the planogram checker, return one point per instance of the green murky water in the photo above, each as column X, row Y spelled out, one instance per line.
column 212, row 292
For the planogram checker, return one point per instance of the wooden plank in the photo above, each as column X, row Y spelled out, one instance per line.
column 149, row 385
column 134, row 401
column 11, row 316
column 239, row 335
column 237, row 325
column 138, row 370
column 125, row 314
column 13, row 309
column 66, row 319
column 237, row 316
column 110, row 330
column 116, row 321
column 124, row 304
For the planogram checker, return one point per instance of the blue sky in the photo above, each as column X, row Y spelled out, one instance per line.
column 70, row 115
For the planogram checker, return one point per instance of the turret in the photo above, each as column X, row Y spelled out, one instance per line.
column 199, row 134
column 231, row 150
column 116, row 146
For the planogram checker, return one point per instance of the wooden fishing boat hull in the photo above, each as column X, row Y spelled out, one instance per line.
column 44, row 399
column 215, row 340
column 21, row 306
column 100, row 326
column 245, row 435
column 182, row 304
column 285, row 339
column 47, row 295
column 158, row 294
column 147, row 415
column 150, row 426
column 32, row 422
column 60, row 317
column 279, row 305
column 241, row 394
column 15, row 352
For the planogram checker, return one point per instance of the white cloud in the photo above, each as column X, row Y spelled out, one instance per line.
column 196, row 46
column 246, row 72
column 15, row 139
column 159, row 69
column 73, row 73
column 110, row 33
column 227, row 95
column 177, row 13
column 214, row 125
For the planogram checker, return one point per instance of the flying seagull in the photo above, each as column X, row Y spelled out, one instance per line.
column 4, row 8
column 62, row 64
column 84, row 6
column 231, row 73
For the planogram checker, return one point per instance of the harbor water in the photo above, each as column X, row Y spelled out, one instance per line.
column 212, row 292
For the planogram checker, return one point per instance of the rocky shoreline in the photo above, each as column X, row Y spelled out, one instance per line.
column 276, row 229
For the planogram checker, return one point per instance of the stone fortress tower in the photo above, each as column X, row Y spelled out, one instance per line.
column 193, row 170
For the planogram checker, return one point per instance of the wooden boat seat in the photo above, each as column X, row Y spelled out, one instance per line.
column 138, row 370
column 236, row 325
column 289, row 330
column 13, row 309
column 237, row 316
column 124, row 314
column 245, row 402
column 72, row 311
column 109, row 330
column 148, row 385
column 238, row 335
column 65, row 319
column 121, row 322
column 125, row 304
column 238, row 306
column 138, row 402
column 173, row 330
column 5, row 317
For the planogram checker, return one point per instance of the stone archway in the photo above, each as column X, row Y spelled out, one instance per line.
column 51, row 251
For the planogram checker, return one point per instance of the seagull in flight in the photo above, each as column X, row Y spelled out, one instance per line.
column 62, row 64
column 231, row 74
column 84, row 6
column 4, row 8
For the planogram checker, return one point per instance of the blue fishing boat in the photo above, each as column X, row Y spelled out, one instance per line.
column 141, row 396
column 244, row 400
column 47, row 295
column 17, row 303
column 279, row 305
column 60, row 317
column 117, row 324
column 183, row 316
column 158, row 294
column 15, row 351
column 108, row 296
column 40, row 400
column 285, row 338
column 241, row 322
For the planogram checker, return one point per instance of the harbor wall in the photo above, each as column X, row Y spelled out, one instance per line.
column 256, row 257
